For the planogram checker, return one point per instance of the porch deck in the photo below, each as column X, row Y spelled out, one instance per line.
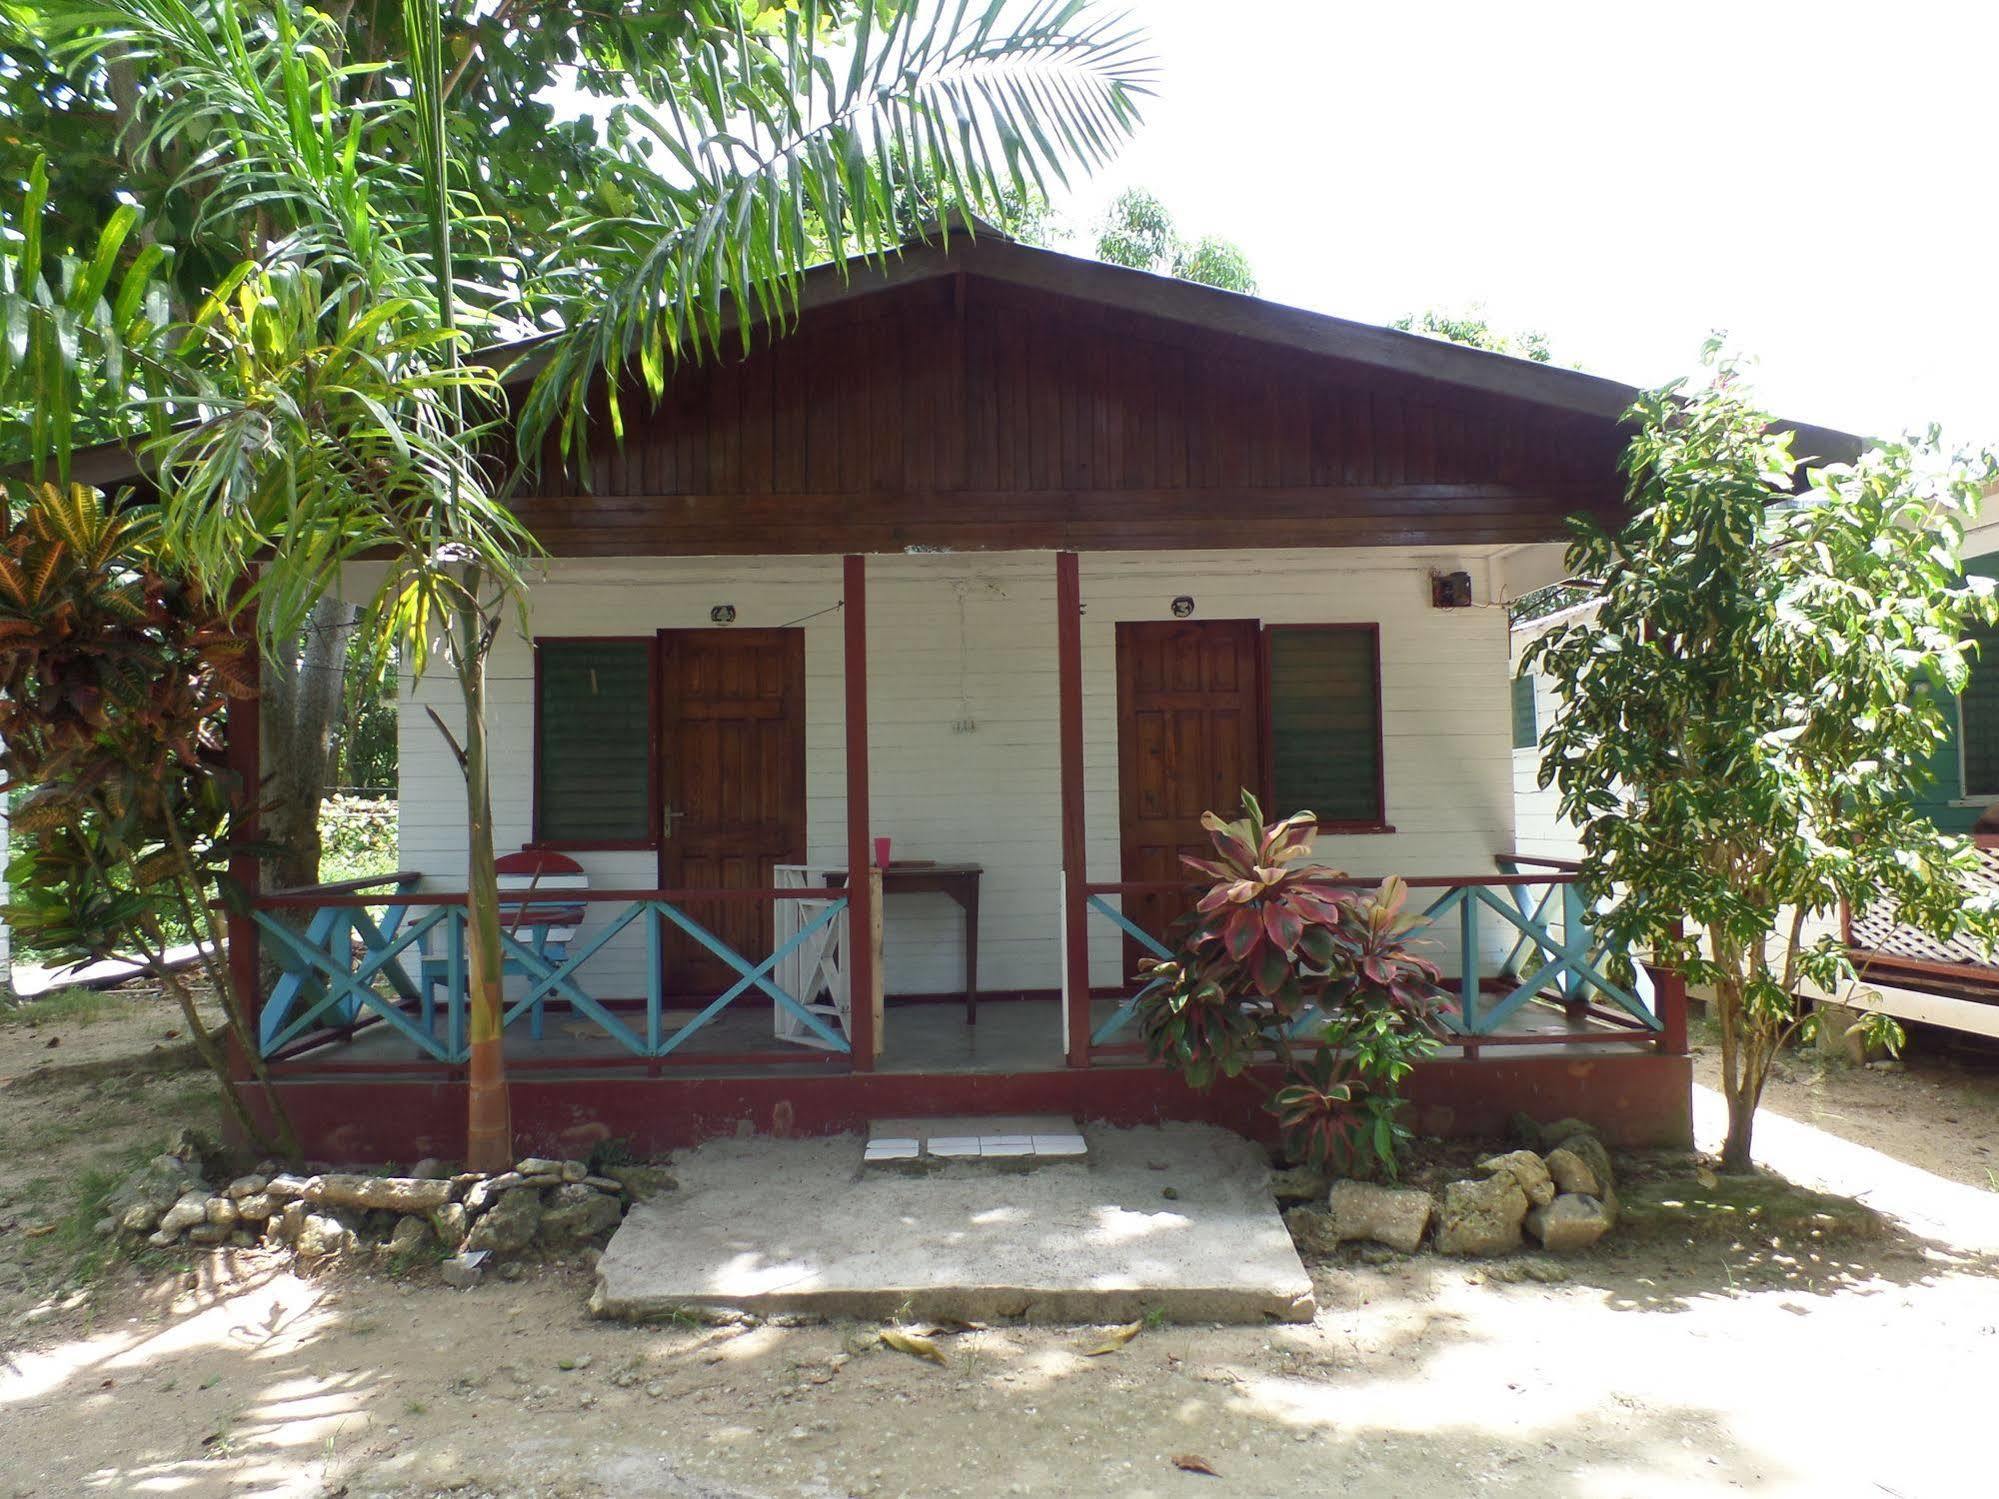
column 1015, row 1034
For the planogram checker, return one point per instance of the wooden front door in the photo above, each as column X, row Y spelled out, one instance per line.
column 732, row 786
column 1189, row 741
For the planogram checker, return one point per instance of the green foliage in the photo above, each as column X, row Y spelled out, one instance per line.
column 1138, row 233
column 1752, row 709
column 80, row 330
column 357, row 838
column 115, row 678
column 1280, row 954
column 1471, row 328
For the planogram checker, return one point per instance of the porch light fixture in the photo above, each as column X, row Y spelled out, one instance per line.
column 722, row 614
column 1183, row 606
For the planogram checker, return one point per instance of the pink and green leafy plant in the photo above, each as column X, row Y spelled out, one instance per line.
column 1286, row 965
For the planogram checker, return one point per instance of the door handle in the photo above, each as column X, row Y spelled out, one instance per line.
column 667, row 818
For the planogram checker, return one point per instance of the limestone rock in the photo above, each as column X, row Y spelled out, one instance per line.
column 1572, row 1221
column 431, row 1169
column 221, row 1212
column 1588, row 1149
column 450, row 1223
column 394, row 1194
column 247, row 1186
column 460, row 1273
column 410, row 1236
column 255, row 1208
column 140, row 1218
column 209, row 1233
column 1395, row 1216
column 536, row 1165
column 509, row 1225
column 641, row 1182
column 574, row 1171
column 1481, row 1217
column 1311, row 1229
column 573, row 1212
column 189, row 1209
column 484, row 1193
column 321, row 1235
column 285, row 1186
column 1526, row 1168
column 1572, row 1173
column 1299, row 1184
column 602, row 1184
column 286, row 1222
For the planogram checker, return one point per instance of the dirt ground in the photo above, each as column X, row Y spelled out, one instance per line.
column 1648, row 1368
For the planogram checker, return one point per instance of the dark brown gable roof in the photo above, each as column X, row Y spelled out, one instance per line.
column 988, row 394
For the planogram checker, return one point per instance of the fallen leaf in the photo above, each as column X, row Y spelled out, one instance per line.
column 960, row 1324
column 909, row 1343
column 1707, row 1178
column 1118, row 1338
column 39, row 1230
column 1188, row 1462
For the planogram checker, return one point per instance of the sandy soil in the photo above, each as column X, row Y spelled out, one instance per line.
column 1646, row 1369
column 1928, row 1109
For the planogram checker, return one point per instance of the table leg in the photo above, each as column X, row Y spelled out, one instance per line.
column 971, row 905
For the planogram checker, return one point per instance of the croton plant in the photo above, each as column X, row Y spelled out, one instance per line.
column 1285, row 965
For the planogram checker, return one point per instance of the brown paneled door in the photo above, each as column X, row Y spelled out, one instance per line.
column 1190, row 725
column 732, row 787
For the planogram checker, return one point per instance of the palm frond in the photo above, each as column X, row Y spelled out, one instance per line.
column 777, row 154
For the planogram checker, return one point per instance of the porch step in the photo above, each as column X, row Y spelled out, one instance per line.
column 1017, row 1139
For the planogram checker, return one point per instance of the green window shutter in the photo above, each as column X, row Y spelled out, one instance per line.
column 1325, row 724
column 1978, row 716
column 593, row 741
column 1526, row 727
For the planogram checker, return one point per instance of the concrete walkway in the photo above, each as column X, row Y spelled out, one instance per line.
column 1176, row 1221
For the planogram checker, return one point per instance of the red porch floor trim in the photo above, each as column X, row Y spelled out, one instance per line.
column 1638, row 1099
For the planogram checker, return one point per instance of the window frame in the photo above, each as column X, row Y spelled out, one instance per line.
column 1379, row 823
column 536, row 839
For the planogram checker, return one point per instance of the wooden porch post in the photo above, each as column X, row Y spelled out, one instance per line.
column 242, row 745
column 1669, row 992
column 1075, row 907
column 864, row 977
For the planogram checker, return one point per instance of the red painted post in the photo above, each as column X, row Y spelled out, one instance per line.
column 1075, row 908
column 861, row 923
column 1670, row 991
column 242, row 746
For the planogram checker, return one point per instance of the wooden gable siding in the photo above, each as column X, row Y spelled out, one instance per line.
column 969, row 414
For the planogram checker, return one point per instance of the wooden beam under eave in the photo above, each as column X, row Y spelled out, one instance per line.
column 1150, row 520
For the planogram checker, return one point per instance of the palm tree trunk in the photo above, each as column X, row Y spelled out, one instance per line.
column 489, row 1135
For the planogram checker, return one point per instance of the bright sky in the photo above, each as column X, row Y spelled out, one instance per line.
column 1816, row 178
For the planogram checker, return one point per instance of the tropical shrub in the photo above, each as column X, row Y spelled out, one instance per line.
column 116, row 676
column 1753, row 710
column 1291, row 963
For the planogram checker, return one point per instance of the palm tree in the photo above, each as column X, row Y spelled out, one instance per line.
column 328, row 408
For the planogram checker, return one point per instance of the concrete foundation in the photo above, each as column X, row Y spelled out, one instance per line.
column 1174, row 1221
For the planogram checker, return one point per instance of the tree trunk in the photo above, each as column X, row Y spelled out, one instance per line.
column 301, row 708
column 489, row 1136
column 1735, row 1150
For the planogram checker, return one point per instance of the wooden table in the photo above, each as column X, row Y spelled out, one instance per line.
column 961, row 883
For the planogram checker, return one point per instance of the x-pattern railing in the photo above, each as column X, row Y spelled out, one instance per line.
column 1555, row 953
column 328, row 985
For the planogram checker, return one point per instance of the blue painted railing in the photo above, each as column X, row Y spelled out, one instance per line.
column 1554, row 954
column 351, row 965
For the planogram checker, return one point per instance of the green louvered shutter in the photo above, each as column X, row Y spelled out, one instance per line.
column 1526, row 727
column 593, row 750
column 1325, row 724
column 1978, row 716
